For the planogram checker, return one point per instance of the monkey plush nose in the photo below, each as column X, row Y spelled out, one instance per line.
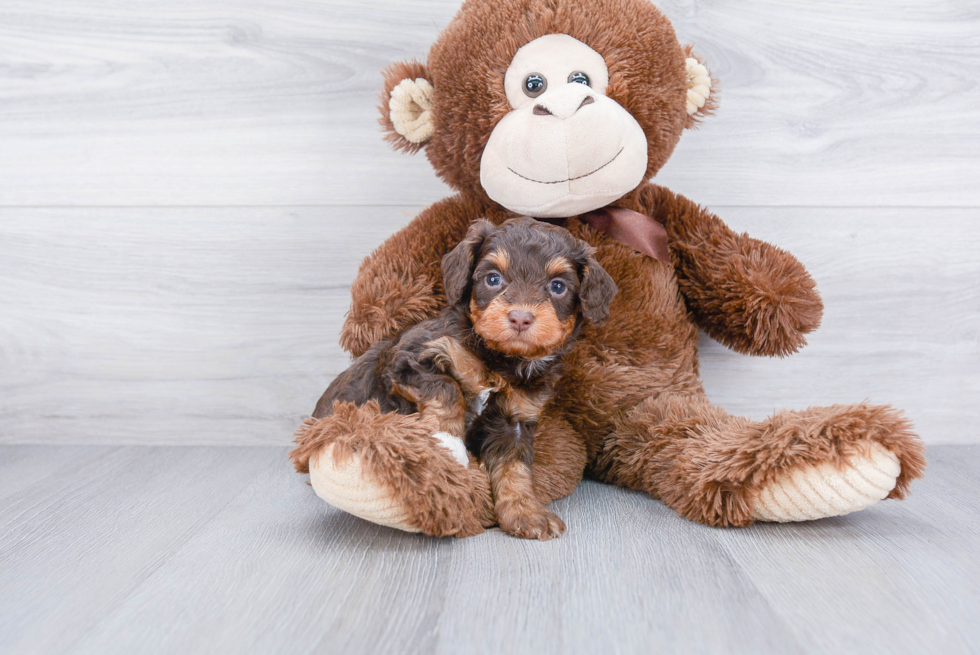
column 564, row 101
column 520, row 320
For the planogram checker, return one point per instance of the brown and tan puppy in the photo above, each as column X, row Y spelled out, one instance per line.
column 484, row 368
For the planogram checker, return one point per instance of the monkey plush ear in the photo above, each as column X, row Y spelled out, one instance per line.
column 701, row 99
column 457, row 266
column 406, row 105
column 597, row 290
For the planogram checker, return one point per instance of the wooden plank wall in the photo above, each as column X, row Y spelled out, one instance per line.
column 186, row 188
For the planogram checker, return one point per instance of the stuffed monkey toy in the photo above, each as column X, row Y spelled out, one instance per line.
column 564, row 110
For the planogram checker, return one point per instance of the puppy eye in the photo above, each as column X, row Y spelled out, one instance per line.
column 557, row 287
column 493, row 280
column 534, row 85
column 579, row 77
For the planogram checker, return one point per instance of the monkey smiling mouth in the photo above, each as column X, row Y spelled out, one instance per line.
column 570, row 179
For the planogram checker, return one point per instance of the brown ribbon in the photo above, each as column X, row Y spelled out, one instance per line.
column 636, row 230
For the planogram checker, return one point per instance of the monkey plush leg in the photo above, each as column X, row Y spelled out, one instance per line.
column 794, row 466
column 392, row 469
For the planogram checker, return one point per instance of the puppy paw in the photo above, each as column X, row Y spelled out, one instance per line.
column 530, row 522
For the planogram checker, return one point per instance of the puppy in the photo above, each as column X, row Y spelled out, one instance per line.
column 484, row 368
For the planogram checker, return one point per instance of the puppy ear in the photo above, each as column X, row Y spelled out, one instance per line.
column 702, row 98
column 457, row 266
column 406, row 105
column 596, row 291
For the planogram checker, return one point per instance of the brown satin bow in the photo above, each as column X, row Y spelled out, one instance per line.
column 639, row 231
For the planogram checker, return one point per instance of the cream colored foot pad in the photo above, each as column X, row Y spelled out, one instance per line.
column 347, row 488
column 823, row 490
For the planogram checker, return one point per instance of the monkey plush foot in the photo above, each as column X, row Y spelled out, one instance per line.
column 392, row 470
column 347, row 486
column 822, row 490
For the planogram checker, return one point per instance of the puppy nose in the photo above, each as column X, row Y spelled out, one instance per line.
column 564, row 101
column 520, row 320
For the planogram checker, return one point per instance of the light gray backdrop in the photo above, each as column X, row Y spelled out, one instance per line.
column 187, row 187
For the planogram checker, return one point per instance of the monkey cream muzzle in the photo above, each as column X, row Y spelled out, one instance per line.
column 550, row 167
column 565, row 148
column 570, row 179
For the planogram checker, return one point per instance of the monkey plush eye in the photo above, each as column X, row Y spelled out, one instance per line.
column 493, row 280
column 579, row 78
column 557, row 287
column 534, row 85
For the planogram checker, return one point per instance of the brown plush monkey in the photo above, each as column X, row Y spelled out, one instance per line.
column 563, row 110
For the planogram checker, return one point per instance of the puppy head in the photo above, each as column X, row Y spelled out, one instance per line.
column 526, row 283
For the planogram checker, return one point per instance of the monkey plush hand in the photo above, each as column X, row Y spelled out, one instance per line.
column 564, row 110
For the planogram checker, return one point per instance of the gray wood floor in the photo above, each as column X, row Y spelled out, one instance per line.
column 136, row 549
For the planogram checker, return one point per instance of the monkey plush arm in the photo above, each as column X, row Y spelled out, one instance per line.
column 400, row 283
column 747, row 294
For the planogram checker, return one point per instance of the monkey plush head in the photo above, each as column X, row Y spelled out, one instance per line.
column 550, row 108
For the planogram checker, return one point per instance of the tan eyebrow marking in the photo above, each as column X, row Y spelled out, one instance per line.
column 500, row 259
column 557, row 266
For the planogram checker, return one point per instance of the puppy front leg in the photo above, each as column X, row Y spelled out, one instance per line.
column 507, row 451
column 441, row 404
